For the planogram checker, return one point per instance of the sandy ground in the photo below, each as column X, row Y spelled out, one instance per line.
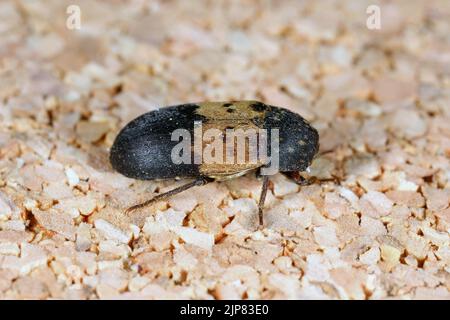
column 379, row 98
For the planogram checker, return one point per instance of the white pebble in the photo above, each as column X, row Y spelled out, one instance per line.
column 192, row 236
column 72, row 177
column 112, row 232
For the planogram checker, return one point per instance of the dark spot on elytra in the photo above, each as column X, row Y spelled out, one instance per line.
column 226, row 105
column 230, row 110
column 258, row 122
column 194, row 106
column 258, row 106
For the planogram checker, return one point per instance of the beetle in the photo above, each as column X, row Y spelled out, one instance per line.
column 143, row 149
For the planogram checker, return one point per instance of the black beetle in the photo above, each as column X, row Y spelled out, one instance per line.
column 144, row 147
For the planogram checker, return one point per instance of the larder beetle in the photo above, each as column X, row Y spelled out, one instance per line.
column 145, row 148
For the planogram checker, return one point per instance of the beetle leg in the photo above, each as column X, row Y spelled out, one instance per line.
column 258, row 173
column 299, row 179
column 302, row 181
column 262, row 198
column 199, row 182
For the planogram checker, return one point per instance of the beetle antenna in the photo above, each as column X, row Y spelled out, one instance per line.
column 199, row 182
